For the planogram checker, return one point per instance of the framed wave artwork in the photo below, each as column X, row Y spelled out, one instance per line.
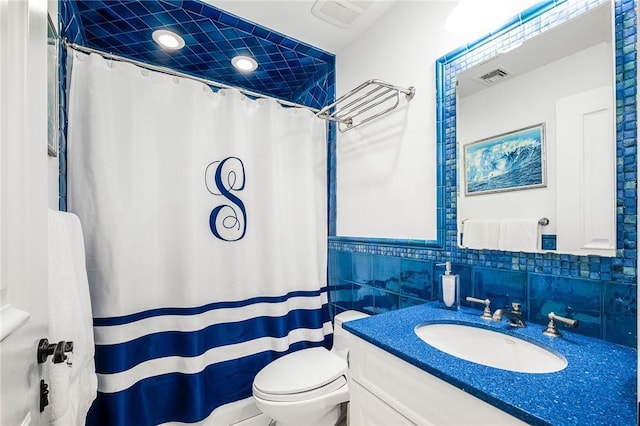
column 507, row 162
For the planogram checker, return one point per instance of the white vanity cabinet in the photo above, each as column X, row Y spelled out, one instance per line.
column 386, row 390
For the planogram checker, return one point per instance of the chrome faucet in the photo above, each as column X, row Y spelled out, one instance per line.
column 486, row 314
column 514, row 315
column 552, row 329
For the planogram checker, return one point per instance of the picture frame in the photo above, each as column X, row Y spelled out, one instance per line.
column 52, row 89
column 509, row 161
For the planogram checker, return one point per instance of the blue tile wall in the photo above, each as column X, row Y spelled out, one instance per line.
column 416, row 279
column 619, row 313
column 69, row 29
column 598, row 291
column 386, row 273
column 377, row 283
column 69, row 22
column 212, row 37
column 501, row 287
column 568, row 297
column 362, row 271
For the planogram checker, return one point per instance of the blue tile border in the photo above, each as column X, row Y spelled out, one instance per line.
column 549, row 242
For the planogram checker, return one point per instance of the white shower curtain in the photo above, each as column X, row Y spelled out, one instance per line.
column 204, row 217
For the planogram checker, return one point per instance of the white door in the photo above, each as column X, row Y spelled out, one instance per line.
column 586, row 159
column 23, row 208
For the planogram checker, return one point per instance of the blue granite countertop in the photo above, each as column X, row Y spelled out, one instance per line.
column 598, row 387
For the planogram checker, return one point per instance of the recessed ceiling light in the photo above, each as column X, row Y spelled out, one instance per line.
column 244, row 63
column 168, row 39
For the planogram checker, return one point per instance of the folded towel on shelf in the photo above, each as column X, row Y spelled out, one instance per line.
column 481, row 234
column 519, row 235
column 72, row 388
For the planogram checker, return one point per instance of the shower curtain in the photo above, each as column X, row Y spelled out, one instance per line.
column 204, row 216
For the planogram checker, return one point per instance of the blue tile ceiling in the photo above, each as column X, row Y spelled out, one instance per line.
column 288, row 69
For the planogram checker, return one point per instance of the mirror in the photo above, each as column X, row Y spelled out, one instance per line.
column 536, row 140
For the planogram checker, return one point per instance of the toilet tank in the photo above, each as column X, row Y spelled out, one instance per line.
column 340, row 347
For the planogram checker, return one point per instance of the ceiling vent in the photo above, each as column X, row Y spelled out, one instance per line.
column 340, row 13
column 494, row 76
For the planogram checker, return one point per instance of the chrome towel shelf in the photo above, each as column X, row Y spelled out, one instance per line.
column 370, row 100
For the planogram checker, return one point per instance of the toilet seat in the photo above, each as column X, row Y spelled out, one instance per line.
column 302, row 375
column 340, row 382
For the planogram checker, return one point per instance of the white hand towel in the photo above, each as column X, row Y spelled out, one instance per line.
column 72, row 389
column 481, row 234
column 519, row 235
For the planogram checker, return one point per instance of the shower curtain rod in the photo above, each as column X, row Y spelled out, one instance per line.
column 169, row 71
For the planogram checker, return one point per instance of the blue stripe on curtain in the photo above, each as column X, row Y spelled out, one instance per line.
column 123, row 356
column 125, row 319
column 182, row 397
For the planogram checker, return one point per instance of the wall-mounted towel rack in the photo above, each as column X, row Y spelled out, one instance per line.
column 370, row 100
column 544, row 221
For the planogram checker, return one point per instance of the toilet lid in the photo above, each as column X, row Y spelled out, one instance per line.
column 300, row 371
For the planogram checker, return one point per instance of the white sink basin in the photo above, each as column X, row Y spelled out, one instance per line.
column 490, row 348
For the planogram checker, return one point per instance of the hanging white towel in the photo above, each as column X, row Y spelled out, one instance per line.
column 72, row 389
column 481, row 234
column 519, row 235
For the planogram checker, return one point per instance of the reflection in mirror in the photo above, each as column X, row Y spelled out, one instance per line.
column 536, row 139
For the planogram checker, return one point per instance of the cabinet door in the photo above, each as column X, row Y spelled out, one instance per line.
column 418, row 397
column 365, row 409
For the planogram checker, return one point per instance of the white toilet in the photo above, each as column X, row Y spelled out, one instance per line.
column 307, row 387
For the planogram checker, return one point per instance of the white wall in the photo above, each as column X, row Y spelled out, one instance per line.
column 520, row 102
column 386, row 169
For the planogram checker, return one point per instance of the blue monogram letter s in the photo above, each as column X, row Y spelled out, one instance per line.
column 228, row 222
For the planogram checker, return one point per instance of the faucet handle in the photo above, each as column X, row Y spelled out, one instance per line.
column 515, row 306
column 486, row 314
column 552, row 329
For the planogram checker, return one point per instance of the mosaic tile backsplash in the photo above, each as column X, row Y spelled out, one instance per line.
column 377, row 276
column 376, row 283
